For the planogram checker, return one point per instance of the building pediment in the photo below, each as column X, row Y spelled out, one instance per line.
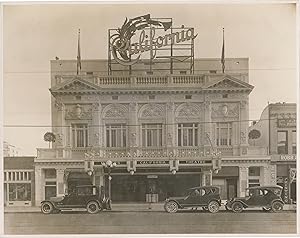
column 229, row 83
column 75, row 84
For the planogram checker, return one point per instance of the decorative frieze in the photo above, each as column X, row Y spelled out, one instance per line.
column 116, row 111
column 225, row 110
column 152, row 111
column 79, row 112
column 188, row 110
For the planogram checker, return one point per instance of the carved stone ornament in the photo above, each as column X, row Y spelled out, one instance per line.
column 170, row 106
column 59, row 139
column 97, row 138
column 76, row 85
column 188, row 110
column 133, row 139
column 79, row 112
column 169, row 138
column 115, row 111
column 221, row 110
column 95, row 106
column 152, row 111
column 243, row 137
column 133, row 106
column 58, row 104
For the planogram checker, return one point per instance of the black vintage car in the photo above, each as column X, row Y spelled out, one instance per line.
column 207, row 197
column 85, row 196
column 266, row 197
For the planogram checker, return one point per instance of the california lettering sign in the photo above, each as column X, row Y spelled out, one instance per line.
column 140, row 35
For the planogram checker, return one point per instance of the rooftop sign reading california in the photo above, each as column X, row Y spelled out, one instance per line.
column 143, row 30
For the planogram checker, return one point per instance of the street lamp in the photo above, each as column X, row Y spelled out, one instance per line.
column 109, row 165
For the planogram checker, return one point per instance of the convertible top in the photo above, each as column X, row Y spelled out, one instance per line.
column 267, row 187
column 203, row 187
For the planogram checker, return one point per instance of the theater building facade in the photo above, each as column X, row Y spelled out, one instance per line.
column 155, row 125
column 165, row 134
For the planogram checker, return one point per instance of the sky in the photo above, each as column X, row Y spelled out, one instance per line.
column 34, row 34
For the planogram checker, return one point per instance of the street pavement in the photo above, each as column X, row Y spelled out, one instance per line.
column 151, row 221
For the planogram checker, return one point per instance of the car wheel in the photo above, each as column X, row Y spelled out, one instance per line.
column 237, row 207
column 277, row 206
column 47, row 208
column 92, row 207
column 213, row 207
column 267, row 209
column 171, row 207
column 205, row 209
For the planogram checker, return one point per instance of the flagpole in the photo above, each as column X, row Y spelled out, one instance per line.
column 78, row 54
column 223, row 54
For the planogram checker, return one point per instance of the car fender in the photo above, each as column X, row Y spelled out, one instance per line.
column 95, row 200
column 53, row 204
column 242, row 202
column 179, row 205
column 214, row 199
column 277, row 200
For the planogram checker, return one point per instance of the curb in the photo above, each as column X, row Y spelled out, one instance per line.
column 127, row 208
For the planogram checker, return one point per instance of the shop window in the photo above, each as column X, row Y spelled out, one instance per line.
column 294, row 142
column 50, row 189
column 79, row 135
column 253, row 182
column 19, row 192
column 254, row 171
column 224, row 134
column 187, row 134
column 116, row 135
column 50, row 173
column 282, row 145
column 152, row 135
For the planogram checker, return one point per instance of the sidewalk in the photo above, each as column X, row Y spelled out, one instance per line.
column 128, row 207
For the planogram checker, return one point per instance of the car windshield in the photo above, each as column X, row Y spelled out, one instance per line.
column 276, row 191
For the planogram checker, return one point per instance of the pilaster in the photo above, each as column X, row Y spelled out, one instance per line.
column 133, row 121
column 243, row 180
column 39, row 186
column 60, row 185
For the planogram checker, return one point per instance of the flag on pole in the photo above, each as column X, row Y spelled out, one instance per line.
column 223, row 54
column 78, row 55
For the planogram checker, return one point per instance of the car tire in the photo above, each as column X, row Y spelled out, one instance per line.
column 92, row 207
column 237, row 207
column 171, row 207
column 213, row 207
column 47, row 208
column 277, row 206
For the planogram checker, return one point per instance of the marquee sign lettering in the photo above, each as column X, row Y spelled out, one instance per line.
column 127, row 53
column 152, row 162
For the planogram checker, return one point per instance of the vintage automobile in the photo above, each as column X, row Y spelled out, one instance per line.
column 85, row 196
column 207, row 197
column 266, row 197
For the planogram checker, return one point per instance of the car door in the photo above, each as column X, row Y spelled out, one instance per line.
column 256, row 198
column 69, row 200
column 192, row 199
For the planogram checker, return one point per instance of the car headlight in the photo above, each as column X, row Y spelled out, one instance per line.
column 167, row 199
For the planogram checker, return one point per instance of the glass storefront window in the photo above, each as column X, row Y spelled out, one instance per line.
column 80, row 135
column 20, row 192
column 282, row 144
column 50, row 173
column 188, row 134
column 224, row 134
column 254, row 171
column 152, row 135
column 116, row 135
column 294, row 145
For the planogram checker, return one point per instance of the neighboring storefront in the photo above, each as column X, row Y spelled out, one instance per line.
column 18, row 181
